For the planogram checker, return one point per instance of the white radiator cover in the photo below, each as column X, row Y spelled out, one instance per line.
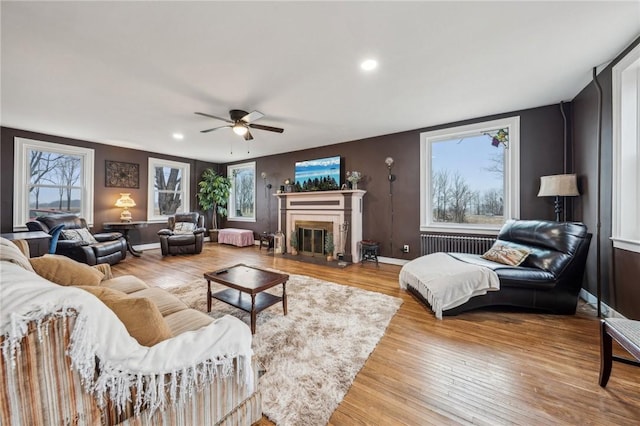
column 434, row 243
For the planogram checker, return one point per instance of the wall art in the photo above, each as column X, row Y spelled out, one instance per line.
column 119, row 174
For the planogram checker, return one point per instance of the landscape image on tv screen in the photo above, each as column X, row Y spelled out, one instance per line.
column 322, row 174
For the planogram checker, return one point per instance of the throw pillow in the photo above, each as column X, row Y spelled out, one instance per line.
column 65, row 271
column 506, row 254
column 140, row 316
column 184, row 228
column 80, row 234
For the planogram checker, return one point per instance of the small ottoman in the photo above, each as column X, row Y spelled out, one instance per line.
column 236, row 237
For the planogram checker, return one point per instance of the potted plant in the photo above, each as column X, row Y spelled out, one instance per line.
column 293, row 241
column 328, row 246
column 213, row 195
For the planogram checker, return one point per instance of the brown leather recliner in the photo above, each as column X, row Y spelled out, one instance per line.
column 108, row 247
column 184, row 235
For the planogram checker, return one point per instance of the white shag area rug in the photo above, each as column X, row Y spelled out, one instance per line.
column 312, row 354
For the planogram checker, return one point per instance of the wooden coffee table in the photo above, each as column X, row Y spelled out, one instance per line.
column 246, row 290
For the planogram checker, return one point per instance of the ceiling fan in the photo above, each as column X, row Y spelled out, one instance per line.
column 240, row 122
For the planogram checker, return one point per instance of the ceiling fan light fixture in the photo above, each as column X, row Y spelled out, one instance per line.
column 240, row 129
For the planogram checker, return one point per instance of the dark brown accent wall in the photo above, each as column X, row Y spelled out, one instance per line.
column 620, row 287
column 104, row 198
column 541, row 153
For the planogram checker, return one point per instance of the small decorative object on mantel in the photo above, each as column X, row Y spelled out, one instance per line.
column 354, row 177
column 288, row 187
column 119, row 174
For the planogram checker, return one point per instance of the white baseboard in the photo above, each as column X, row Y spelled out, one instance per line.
column 392, row 260
column 143, row 247
column 607, row 311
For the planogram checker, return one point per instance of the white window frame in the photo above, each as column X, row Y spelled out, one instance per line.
column 185, row 197
column 231, row 207
column 21, row 177
column 511, row 175
column 625, row 189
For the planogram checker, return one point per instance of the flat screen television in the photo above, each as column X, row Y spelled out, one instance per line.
column 322, row 174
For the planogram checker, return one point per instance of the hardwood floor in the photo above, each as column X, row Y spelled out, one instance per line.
column 484, row 367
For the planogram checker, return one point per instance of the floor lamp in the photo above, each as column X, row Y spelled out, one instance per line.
column 558, row 186
column 267, row 189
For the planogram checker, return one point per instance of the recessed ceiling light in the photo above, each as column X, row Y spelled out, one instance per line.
column 178, row 136
column 369, row 65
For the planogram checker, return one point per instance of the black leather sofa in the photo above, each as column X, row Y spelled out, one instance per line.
column 548, row 280
column 111, row 247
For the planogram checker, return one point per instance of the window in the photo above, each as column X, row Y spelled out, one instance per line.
column 168, row 189
column 242, row 199
column 469, row 177
column 51, row 178
column 626, row 152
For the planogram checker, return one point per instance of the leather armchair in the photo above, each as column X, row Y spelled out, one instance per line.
column 549, row 279
column 111, row 247
column 184, row 234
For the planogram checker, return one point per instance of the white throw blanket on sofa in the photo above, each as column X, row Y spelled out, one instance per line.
column 189, row 358
column 446, row 282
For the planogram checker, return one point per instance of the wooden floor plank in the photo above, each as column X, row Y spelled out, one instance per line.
column 482, row 367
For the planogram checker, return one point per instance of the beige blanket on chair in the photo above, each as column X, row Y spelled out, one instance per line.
column 446, row 282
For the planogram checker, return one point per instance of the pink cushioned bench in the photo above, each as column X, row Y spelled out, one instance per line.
column 236, row 237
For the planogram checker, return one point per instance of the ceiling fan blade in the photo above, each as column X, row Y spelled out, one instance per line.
column 213, row 116
column 211, row 130
column 247, row 136
column 268, row 128
column 252, row 116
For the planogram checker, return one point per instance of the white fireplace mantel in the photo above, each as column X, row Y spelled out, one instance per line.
column 338, row 207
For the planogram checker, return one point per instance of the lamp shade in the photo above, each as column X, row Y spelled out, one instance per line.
column 125, row 201
column 558, row 185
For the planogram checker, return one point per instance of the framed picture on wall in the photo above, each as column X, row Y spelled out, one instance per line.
column 119, row 174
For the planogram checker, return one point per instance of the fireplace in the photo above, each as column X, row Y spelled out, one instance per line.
column 318, row 213
column 311, row 236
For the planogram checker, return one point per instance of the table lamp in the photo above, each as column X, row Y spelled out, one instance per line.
column 125, row 201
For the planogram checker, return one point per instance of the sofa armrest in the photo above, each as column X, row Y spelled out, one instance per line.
column 34, row 225
column 107, row 236
column 70, row 244
column 167, row 232
column 79, row 251
column 105, row 268
column 198, row 231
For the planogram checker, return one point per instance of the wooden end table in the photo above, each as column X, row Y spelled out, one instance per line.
column 246, row 290
column 125, row 227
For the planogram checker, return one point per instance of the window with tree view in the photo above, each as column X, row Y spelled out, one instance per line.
column 52, row 179
column 243, row 191
column 168, row 188
column 470, row 176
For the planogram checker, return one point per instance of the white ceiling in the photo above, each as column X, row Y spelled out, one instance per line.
column 133, row 73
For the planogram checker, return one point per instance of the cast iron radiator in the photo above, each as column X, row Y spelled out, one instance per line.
column 433, row 243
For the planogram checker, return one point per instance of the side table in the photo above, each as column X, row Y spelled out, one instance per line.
column 38, row 241
column 125, row 227
column 266, row 240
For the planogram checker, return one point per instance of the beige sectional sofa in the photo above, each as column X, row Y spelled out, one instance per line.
column 84, row 347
